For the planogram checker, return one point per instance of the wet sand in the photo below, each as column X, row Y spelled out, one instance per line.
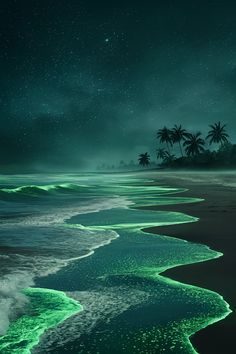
column 216, row 228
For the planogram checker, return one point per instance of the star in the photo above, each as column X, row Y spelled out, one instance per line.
column 107, row 40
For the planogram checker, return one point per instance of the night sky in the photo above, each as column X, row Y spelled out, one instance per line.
column 87, row 82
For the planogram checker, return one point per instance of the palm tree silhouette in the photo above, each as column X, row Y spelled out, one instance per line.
column 169, row 157
column 144, row 159
column 177, row 135
column 217, row 134
column 164, row 135
column 194, row 144
column 161, row 153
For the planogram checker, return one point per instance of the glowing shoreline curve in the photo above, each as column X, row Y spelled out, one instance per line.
column 186, row 328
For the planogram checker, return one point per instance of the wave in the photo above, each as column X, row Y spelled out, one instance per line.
column 27, row 192
column 12, row 300
column 38, row 245
column 34, row 191
column 22, row 267
column 57, row 214
column 42, row 301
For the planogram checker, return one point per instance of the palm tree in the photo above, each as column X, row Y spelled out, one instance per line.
column 217, row 134
column 169, row 157
column 164, row 135
column 161, row 153
column 177, row 135
column 194, row 144
column 144, row 159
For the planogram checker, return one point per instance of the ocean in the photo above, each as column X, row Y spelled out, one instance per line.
column 79, row 274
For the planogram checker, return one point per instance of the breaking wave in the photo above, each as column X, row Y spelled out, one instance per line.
column 36, row 243
column 34, row 191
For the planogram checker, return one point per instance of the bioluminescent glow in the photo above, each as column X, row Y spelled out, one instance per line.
column 134, row 260
column 47, row 308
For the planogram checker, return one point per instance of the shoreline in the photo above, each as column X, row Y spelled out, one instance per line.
column 193, row 209
column 214, row 229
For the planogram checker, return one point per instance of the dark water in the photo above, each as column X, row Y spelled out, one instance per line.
column 62, row 291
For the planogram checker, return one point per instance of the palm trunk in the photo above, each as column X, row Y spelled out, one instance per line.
column 180, row 147
column 168, row 148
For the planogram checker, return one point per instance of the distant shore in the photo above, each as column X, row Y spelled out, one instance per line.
column 215, row 229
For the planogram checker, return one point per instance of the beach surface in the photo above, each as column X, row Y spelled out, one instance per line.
column 217, row 214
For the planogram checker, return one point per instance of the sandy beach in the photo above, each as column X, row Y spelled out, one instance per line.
column 216, row 229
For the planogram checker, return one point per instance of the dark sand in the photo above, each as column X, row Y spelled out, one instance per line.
column 216, row 228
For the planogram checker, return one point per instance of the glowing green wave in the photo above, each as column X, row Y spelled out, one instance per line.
column 47, row 308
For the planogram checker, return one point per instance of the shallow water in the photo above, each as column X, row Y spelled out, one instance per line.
column 51, row 238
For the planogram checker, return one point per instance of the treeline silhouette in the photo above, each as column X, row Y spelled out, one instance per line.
column 193, row 151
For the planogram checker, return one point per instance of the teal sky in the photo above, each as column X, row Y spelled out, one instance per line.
column 85, row 82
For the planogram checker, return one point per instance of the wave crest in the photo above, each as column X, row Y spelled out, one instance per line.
column 39, row 190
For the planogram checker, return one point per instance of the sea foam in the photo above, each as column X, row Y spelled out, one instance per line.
column 42, row 246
